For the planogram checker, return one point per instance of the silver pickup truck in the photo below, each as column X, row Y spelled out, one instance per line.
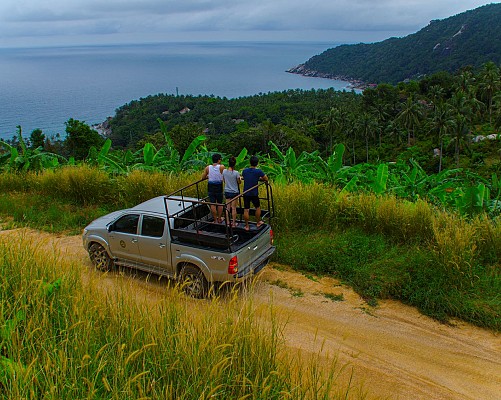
column 176, row 236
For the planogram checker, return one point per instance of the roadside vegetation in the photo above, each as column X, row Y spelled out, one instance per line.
column 63, row 337
column 444, row 263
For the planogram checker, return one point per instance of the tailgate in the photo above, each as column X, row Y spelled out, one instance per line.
column 254, row 255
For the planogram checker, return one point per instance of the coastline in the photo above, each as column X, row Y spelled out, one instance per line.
column 354, row 83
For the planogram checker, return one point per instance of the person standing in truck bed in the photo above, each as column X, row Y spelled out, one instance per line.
column 214, row 173
column 251, row 177
column 231, row 178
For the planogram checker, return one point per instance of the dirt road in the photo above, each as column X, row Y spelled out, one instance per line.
column 392, row 351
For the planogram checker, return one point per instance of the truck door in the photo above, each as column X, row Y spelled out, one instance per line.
column 123, row 238
column 154, row 242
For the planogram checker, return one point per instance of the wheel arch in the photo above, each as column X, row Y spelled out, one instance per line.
column 99, row 240
column 193, row 262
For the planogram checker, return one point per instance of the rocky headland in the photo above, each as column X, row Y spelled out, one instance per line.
column 354, row 83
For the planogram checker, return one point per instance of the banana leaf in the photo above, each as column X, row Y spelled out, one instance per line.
column 192, row 148
column 379, row 184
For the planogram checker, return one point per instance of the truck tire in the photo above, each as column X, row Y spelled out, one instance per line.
column 193, row 282
column 100, row 258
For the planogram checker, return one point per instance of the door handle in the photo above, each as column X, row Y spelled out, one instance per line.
column 134, row 240
column 161, row 245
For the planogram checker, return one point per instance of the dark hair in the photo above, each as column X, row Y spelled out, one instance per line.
column 254, row 161
column 232, row 162
column 216, row 157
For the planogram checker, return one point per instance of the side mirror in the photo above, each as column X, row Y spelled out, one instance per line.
column 111, row 227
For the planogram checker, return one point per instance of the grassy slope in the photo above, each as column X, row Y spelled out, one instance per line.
column 385, row 248
column 62, row 338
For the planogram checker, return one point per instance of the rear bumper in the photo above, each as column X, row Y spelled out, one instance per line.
column 254, row 268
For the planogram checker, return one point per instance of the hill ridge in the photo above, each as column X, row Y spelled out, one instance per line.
column 471, row 38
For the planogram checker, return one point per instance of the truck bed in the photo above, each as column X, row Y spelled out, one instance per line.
column 206, row 233
column 191, row 221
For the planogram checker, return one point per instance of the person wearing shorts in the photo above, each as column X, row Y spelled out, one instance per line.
column 251, row 177
column 231, row 179
column 214, row 173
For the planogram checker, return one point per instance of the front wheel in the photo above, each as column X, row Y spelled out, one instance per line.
column 193, row 282
column 100, row 258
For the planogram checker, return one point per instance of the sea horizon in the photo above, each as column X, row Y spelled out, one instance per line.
column 43, row 87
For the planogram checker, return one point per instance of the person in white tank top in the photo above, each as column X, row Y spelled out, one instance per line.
column 214, row 173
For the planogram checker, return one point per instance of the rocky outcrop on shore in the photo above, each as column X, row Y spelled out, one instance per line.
column 103, row 128
column 354, row 83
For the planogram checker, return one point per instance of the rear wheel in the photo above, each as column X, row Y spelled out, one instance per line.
column 193, row 282
column 100, row 258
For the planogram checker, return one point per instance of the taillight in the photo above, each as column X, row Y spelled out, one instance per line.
column 233, row 265
column 271, row 237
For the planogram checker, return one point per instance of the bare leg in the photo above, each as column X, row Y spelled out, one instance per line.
column 213, row 212
column 234, row 213
column 246, row 219
column 219, row 213
column 229, row 207
column 258, row 217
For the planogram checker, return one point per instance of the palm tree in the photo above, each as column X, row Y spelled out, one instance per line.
column 366, row 125
column 442, row 123
column 490, row 84
column 333, row 124
column 465, row 81
column 436, row 94
column 462, row 111
column 409, row 117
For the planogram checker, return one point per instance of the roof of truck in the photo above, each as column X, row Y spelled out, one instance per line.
column 157, row 204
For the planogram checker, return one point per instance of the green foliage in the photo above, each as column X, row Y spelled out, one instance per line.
column 26, row 159
column 80, row 138
column 48, row 214
column 79, row 185
column 37, row 139
column 377, row 269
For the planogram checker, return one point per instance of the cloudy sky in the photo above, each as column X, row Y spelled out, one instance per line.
column 54, row 22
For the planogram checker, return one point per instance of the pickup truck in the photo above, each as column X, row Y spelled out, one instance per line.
column 175, row 236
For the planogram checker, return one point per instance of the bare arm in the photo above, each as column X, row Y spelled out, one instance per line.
column 205, row 173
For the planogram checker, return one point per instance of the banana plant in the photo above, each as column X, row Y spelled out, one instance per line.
column 288, row 167
column 110, row 162
column 28, row 159
column 168, row 158
column 378, row 182
column 474, row 200
column 331, row 168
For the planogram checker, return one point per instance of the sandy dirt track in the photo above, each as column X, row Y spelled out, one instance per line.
column 392, row 351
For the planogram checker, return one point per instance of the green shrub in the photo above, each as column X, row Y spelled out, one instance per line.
column 79, row 185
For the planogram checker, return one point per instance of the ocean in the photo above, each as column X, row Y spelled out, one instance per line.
column 44, row 87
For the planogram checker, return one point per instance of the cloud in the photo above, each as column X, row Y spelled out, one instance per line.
column 226, row 18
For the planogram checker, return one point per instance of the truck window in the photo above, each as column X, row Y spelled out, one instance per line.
column 152, row 226
column 127, row 224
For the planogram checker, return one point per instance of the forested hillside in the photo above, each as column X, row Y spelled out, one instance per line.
column 442, row 121
column 435, row 121
column 471, row 38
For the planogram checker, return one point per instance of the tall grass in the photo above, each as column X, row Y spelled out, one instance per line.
column 139, row 186
column 440, row 262
column 63, row 339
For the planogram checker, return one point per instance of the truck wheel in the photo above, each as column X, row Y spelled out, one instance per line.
column 100, row 257
column 193, row 282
